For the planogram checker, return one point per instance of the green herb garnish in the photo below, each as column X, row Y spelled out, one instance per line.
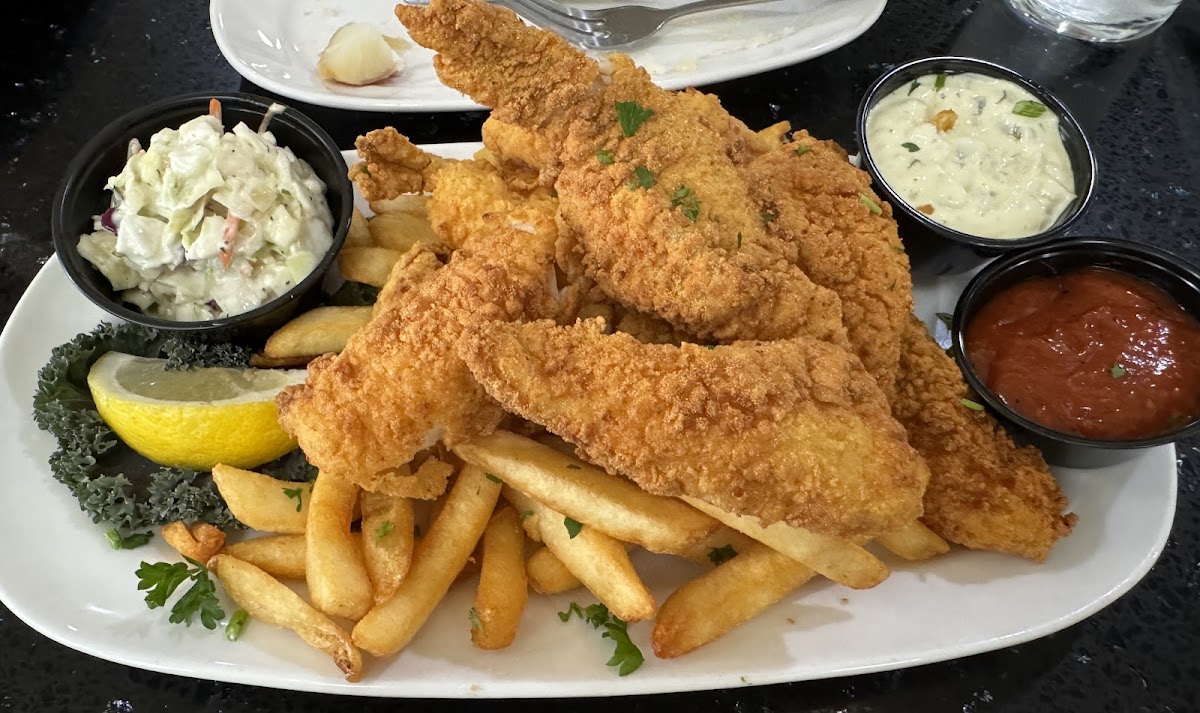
column 913, row 87
column 605, row 156
column 739, row 242
column 974, row 406
column 128, row 542
column 631, row 115
column 573, row 526
column 641, row 177
column 870, row 204
column 687, row 203
column 627, row 657
column 526, row 514
column 940, row 81
column 802, row 149
column 492, row 477
column 296, row 494
column 717, row 555
column 910, row 146
column 473, row 617
column 237, row 622
column 572, row 466
column 1029, row 108
column 163, row 578
column 383, row 530
column 768, row 216
column 1117, row 371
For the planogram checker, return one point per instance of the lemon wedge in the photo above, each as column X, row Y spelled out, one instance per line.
column 193, row 418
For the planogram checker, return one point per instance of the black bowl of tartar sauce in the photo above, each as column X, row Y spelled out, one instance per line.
column 975, row 159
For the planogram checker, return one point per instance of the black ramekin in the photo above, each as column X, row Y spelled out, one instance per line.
column 933, row 248
column 1176, row 277
column 82, row 196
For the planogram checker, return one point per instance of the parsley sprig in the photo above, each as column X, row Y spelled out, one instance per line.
column 631, row 115
column 163, row 578
column 687, row 202
column 627, row 657
column 717, row 555
column 384, row 529
column 295, row 494
column 641, row 177
column 573, row 526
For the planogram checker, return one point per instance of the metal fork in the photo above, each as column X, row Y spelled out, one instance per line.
column 603, row 28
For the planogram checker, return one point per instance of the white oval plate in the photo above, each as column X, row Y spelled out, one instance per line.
column 275, row 44
column 59, row 575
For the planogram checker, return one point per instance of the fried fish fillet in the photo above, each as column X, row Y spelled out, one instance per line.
column 827, row 228
column 984, row 492
column 397, row 387
column 793, row 430
column 649, row 181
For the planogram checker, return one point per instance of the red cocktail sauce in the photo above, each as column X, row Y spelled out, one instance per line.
column 1092, row 352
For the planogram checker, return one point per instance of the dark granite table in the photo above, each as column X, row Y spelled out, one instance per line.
column 70, row 67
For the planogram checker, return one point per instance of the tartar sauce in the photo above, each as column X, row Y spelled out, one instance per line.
column 977, row 154
column 207, row 223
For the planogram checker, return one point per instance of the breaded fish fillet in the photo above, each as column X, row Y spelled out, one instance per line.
column 793, row 430
column 984, row 492
column 827, row 228
column 649, row 181
column 397, row 387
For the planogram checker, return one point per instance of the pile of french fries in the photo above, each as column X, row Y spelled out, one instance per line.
column 523, row 513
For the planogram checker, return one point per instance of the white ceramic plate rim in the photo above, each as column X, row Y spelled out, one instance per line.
column 757, row 63
column 550, row 659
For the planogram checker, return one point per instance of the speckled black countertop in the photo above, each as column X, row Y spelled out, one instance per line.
column 69, row 67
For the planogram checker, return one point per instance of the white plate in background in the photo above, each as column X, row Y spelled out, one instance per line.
column 61, row 578
column 275, row 44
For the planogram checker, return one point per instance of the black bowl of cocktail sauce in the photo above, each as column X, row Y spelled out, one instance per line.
column 1090, row 347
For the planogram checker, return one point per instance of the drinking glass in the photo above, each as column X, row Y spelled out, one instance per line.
column 1098, row 20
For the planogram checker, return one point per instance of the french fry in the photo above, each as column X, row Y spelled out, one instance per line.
column 414, row 203
column 840, row 560
column 317, row 331
column 333, row 564
column 277, row 555
column 358, row 236
column 914, row 542
column 387, row 542
column 723, row 598
column 268, row 600
column 589, row 495
column 261, row 502
column 599, row 561
column 200, row 542
column 401, row 231
column 502, row 593
column 527, row 515
column 367, row 265
column 548, row 575
column 437, row 560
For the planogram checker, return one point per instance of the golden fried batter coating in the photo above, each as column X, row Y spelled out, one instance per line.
column 466, row 193
column 397, row 387
column 667, row 226
column 793, row 430
column 984, row 492
column 825, row 228
column 391, row 165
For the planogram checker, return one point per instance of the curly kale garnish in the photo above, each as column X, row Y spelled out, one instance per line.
column 112, row 483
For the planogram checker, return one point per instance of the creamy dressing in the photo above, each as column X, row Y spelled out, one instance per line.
column 207, row 223
column 984, row 170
